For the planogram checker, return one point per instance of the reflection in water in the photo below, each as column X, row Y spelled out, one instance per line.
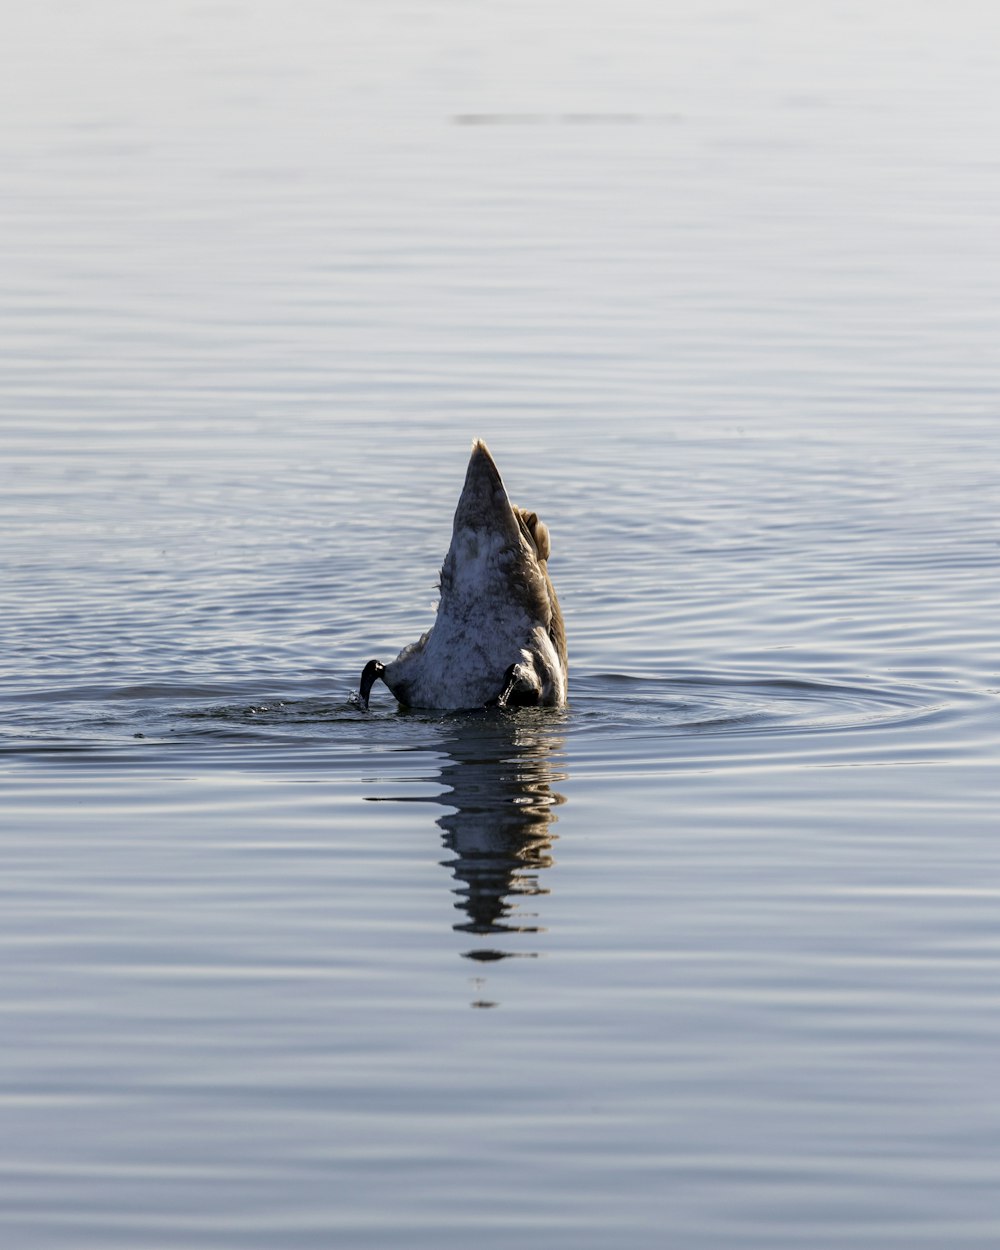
column 499, row 775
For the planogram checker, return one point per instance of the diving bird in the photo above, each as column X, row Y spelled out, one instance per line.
column 498, row 638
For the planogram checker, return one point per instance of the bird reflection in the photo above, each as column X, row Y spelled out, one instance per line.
column 499, row 770
column 500, row 775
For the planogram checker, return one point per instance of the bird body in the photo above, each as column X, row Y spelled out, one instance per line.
column 498, row 637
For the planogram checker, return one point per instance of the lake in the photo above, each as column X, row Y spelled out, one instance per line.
column 709, row 958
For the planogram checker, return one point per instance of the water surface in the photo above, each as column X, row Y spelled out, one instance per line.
column 708, row 958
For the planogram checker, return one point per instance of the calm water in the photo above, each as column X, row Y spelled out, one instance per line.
column 710, row 958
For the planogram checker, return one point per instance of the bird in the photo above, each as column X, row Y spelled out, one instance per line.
column 498, row 639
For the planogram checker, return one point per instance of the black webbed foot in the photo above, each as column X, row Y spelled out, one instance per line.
column 509, row 682
column 373, row 670
column 516, row 692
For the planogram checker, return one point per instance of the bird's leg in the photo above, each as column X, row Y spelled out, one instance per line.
column 509, row 682
column 373, row 670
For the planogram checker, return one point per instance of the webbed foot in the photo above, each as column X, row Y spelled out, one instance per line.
column 509, row 682
column 372, row 672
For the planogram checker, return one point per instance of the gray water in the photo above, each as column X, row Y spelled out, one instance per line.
column 709, row 958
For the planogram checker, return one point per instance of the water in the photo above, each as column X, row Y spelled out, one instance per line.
column 709, row 958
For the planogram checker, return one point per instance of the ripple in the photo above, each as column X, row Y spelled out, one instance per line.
column 688, row 704
column 731, row 704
